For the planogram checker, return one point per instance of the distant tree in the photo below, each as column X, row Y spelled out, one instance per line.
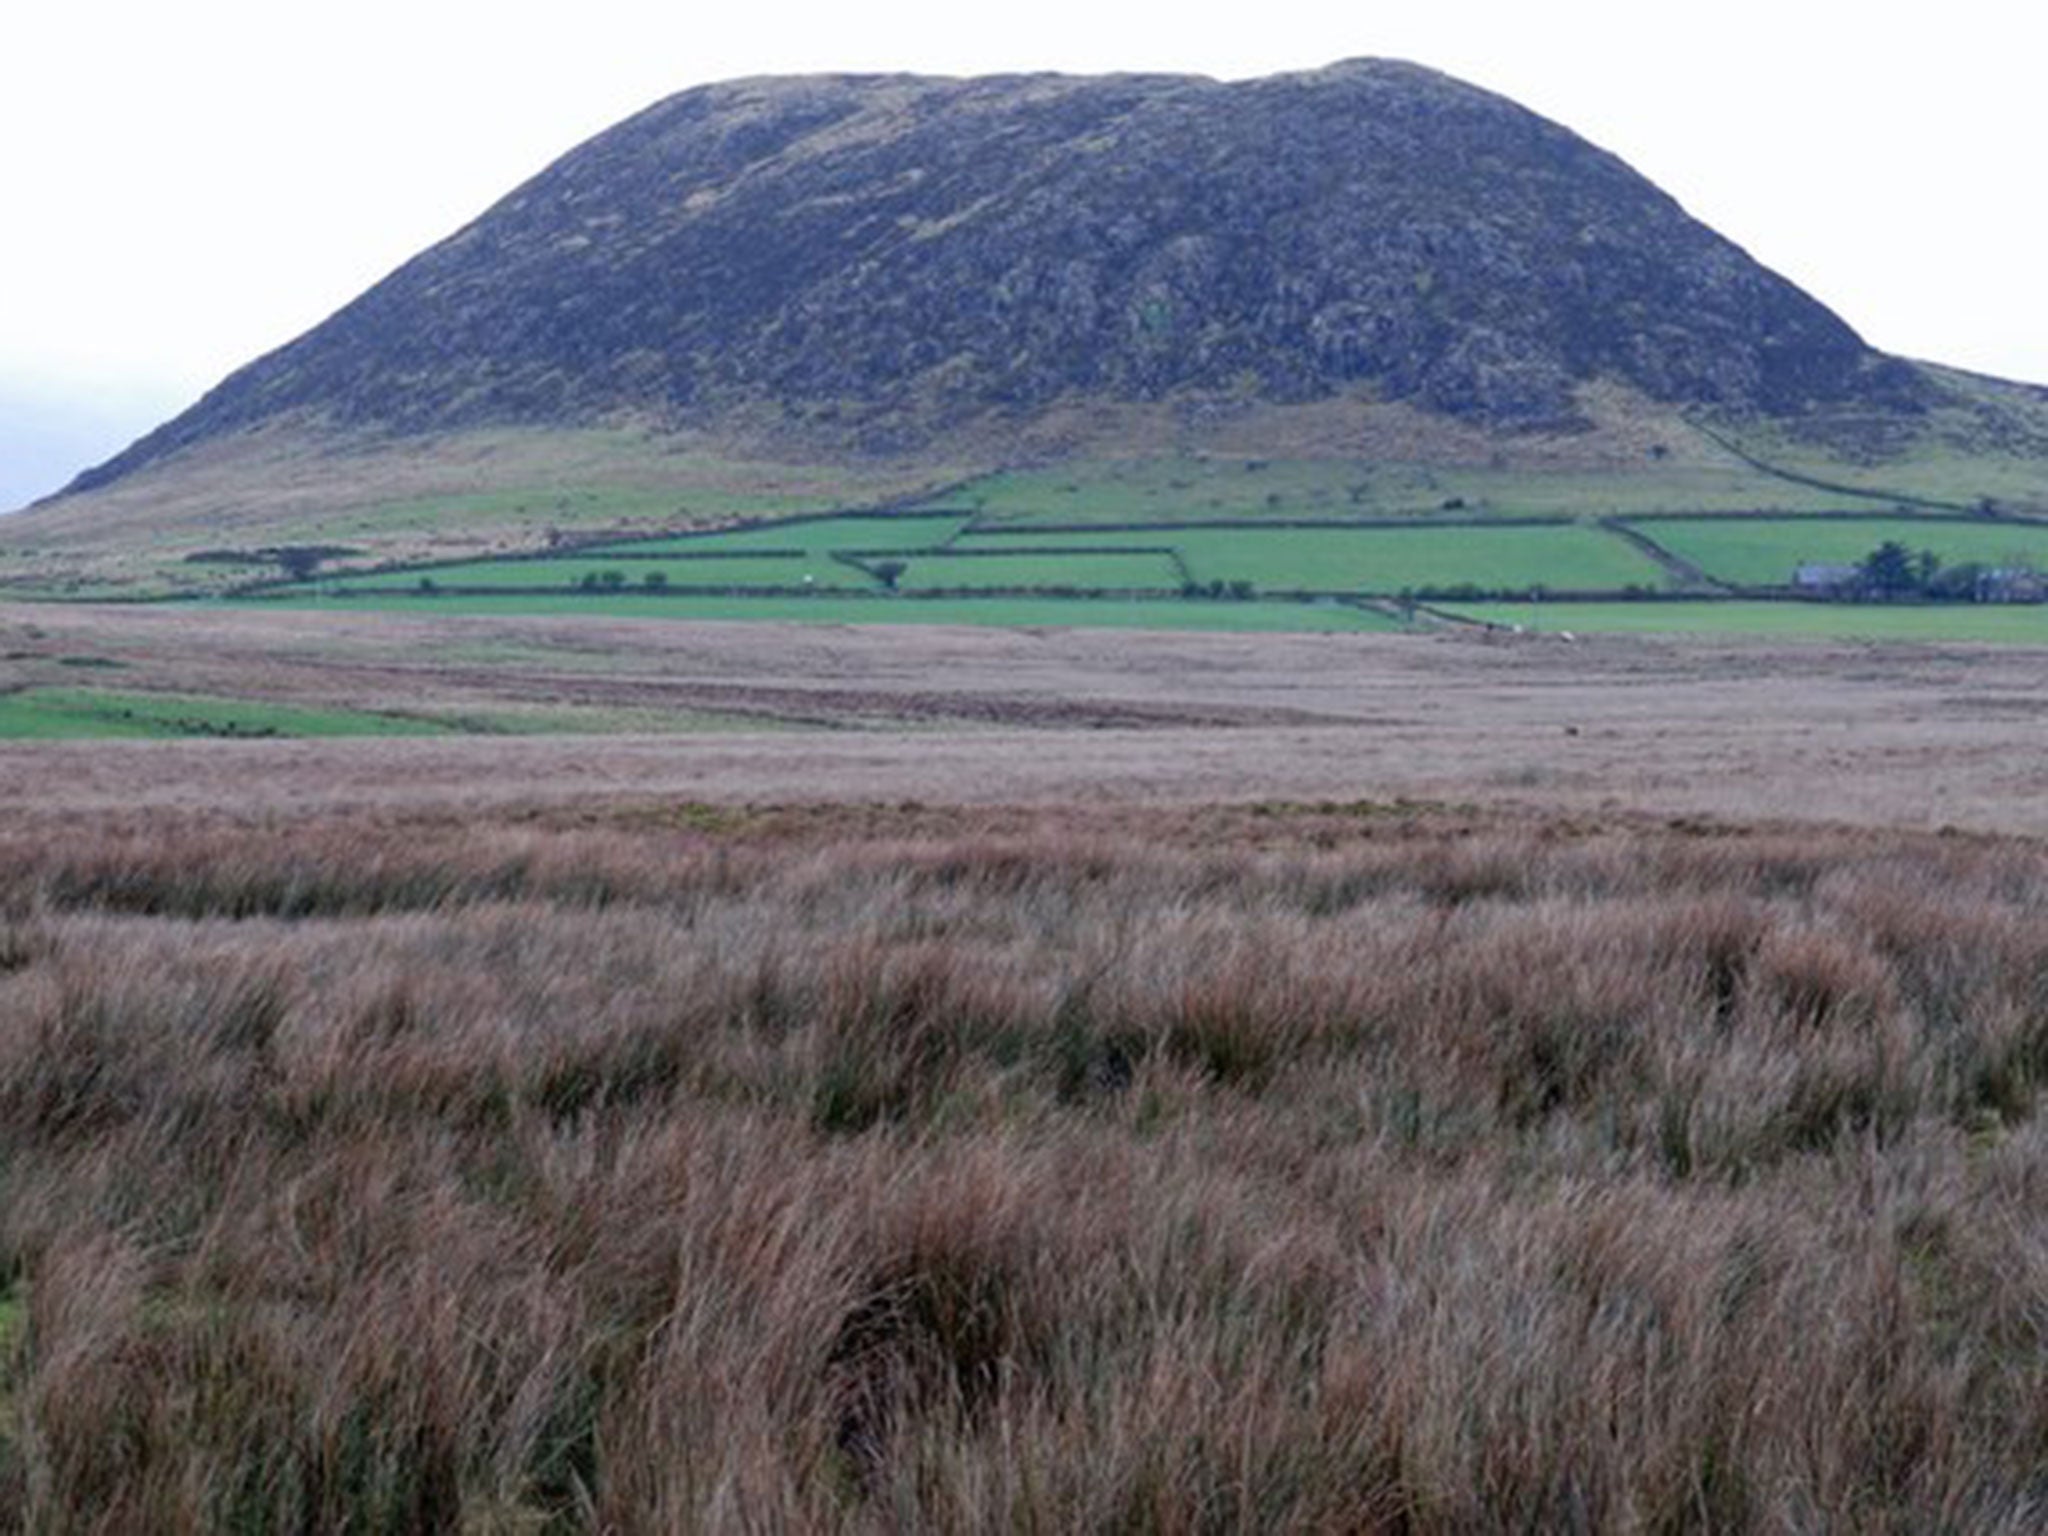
column 611, row 581
column 429, row 586
column 300, row 560
column 1888, row 570
column 889, row 572
column 655, row 581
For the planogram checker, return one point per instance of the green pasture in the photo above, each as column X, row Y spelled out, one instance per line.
column 33, row 713
column 1224, row 489
column 1054, row 578
column 1386, row 560
column 1758, row 553
column 701, row 571
column 1014, row 612
column 1986, row 623
column 822, row 536
column 563, row 506
column 1081, row 570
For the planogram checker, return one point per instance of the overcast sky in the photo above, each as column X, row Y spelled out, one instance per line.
column 189, row 185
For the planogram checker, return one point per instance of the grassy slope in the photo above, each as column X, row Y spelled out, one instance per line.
column 479, row 493
column 1987, row 442
column 444, row 498
column 471, row 496
column 1215, row 490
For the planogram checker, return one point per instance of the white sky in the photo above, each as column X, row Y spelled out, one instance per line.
column 187, row 185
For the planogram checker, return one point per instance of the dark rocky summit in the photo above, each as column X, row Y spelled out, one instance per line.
column 922, row 250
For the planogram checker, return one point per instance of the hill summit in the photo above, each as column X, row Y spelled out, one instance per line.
column 908, row 253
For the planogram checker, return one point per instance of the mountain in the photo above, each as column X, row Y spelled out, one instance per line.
column 941, row 247
column 904, row 279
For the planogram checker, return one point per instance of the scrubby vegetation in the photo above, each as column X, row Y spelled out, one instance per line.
column 1360, row 1168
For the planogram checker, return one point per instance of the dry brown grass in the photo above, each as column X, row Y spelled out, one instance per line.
column 869, row 1169
column 1887, row 735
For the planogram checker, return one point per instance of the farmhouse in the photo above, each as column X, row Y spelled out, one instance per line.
column 1816, row 578
column 2011, row 584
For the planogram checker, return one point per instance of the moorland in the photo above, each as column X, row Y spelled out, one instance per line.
column 1209, row 958
column 885, row 1078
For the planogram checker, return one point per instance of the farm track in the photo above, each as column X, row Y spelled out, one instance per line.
column 1681, row 570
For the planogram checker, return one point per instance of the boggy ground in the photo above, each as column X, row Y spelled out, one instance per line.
column 1883, row 735
column 642, row 1164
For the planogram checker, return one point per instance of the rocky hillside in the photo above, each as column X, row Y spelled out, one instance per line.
column 905, row 253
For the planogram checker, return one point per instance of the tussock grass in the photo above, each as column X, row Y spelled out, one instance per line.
column 884, row 1170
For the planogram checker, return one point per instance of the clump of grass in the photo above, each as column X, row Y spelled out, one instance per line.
column 1163, row 1170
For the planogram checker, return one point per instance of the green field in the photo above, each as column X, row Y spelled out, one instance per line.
column 750, row 573
column 820, row 536
column 90, row 712
column 1991, row 624
column 1350, row 560
column 1020, row 612
column 1760, row 553
column 1220, row 489
column 1385, row 560
column 561, row 575
column 1083, row 571
column 774, row 555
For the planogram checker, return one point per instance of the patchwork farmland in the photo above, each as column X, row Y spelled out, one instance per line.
column 1724, row 572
